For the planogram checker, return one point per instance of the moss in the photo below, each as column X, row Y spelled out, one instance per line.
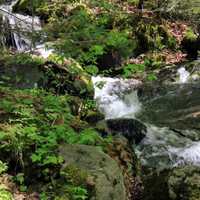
column 184, row 183
column 190, row 35
column 74, row 175
column 4, row 194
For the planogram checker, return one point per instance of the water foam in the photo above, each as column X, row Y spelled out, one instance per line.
column 116, row 97
column 187, row 155
column 183, row 75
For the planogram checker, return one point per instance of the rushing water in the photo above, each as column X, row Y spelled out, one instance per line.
column 171, row 114
column 183, row 74
column 21, row 26
column 115, row 97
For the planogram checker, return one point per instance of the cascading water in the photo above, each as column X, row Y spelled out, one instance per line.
column 183, row 75
column 21, row 28
column 166, row 115
column 116, row 98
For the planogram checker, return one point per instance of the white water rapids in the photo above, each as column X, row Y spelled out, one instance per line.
column 117, row 98
column 183, row 75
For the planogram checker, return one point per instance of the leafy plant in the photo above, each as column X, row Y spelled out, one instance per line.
column 92, row 69
column 38, row 123
column 3, row 167
column 5, row 194
column 78, row 193
column 22, row 59
column 151, row 77
column 130, row 69
column 190, row 35
column 19, row 179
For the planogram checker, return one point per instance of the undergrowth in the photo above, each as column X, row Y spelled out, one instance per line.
column 33, row 123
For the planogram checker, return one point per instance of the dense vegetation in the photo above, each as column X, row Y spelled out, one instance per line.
column 88, row 38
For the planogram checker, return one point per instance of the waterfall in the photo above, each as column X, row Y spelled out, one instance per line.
column 21, row 28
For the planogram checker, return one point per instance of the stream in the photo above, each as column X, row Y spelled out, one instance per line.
column 169, row 111
column 171, row 114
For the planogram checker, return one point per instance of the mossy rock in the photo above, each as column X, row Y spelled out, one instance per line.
column 107, row 176
column 93, row 117
column 181, row 183
column 184, row 183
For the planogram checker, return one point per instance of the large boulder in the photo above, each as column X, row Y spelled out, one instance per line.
column 132, row 129
column 182, row 183
column 175, row 106
column 106, row 174
column 21, row 71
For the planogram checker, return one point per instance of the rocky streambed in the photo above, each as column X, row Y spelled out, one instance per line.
column 155, row 152
column 163, row 121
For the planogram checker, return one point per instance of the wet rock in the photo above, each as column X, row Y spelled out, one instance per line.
column 132, row 129
column 155, row 185
column 67, row 79
column 175, row 106
column 101, row 127
column 191, row 134
column 107, row 176
column 193, row 68
column 93, row 117
column 191, row 47
column 169, row 74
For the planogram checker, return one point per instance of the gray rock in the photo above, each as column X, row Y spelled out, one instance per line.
column 182, row 183
column 108, row 178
